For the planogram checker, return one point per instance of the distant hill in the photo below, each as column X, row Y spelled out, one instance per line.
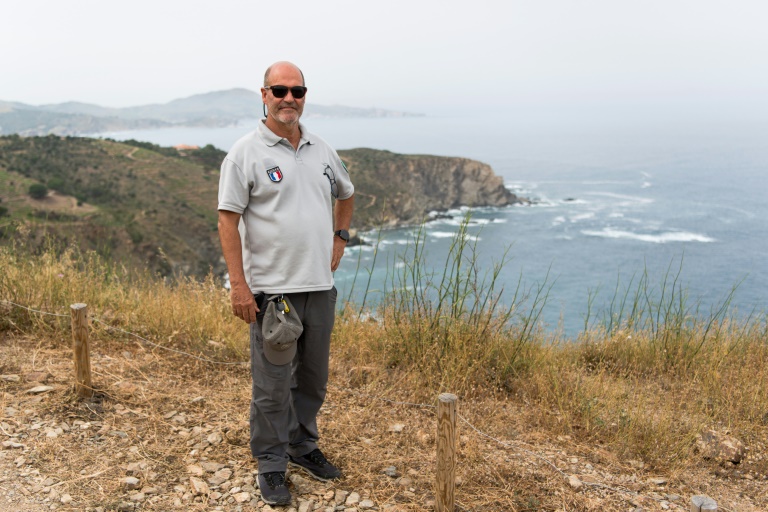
column 219, row 108
column 147, row 206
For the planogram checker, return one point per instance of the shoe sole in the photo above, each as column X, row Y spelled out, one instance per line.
column 305, row 470
column 275, row 502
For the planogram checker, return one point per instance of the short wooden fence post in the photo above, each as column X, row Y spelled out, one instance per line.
column 81, row 350
column 703, row 504
column 446, row 452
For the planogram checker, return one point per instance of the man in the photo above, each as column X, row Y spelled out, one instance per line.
column 277, row 186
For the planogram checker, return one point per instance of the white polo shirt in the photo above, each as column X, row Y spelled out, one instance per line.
column 284, row 196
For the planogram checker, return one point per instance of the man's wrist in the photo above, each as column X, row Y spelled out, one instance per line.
column 342, row 234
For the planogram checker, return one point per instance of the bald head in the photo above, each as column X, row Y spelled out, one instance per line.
column 281, row 66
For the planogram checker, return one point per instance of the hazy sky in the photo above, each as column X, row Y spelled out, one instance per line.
column 418, row 55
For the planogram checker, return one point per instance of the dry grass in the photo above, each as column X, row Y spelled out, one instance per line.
column 616, row 408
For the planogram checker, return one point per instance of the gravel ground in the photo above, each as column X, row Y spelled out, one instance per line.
column 165, row 433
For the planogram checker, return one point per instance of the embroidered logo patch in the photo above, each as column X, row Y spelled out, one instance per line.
column 275, row 174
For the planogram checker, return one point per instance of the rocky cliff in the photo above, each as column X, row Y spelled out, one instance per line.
column 394, row 189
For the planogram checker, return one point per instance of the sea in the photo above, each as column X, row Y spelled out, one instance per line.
column 615, row 201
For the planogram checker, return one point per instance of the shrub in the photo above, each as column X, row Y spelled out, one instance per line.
column 38, row 191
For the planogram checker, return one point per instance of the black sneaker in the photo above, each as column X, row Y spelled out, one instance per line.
column 317, row 465
column 273, row 489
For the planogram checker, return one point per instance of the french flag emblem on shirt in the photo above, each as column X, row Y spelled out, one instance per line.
column 275, row 174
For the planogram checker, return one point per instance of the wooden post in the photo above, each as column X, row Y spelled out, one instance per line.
column 703, row 504
column 446, row 452
column 81, row 350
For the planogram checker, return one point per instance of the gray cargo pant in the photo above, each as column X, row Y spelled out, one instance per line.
column 285, row 399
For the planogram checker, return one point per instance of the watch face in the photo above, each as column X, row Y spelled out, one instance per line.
column 343, row 234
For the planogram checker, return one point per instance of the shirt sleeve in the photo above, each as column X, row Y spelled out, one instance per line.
column 343, row 181
column 234, row 188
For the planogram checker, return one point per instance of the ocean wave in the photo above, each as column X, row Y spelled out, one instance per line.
column 450, row 234
column 361, row 248
column 659, row 238
column 543, row 202
column 627, row 199
column 583, row 216
column 458, row 221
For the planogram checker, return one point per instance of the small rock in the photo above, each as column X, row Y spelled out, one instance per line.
column 66, row 499
column 404, row 481
column 40, row 389
column 721, row 447
column 135, row 468
column 195, row 470
column 298, row 480
column 574, row 482
column 306, row 506
column 352, row 500
column 242, row 497
column 211, row 467
column 198, row 487
column 138, row 497
column 40, row 377
column 701, row 501
column 391, row 471
column 397, row 428
column 658, row 481
column 216, row 480
column 224, row 473
column 10, row 378
column 12, row 444
column 130, row 483
column 340, row 497
column 215, row 438
column 367, row 504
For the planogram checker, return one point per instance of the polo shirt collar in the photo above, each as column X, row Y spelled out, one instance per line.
column 270, row 138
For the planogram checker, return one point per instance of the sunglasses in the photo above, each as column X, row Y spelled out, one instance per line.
column 281, row 91
column 328, row 172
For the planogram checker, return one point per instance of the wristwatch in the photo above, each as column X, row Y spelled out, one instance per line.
column 343, row 234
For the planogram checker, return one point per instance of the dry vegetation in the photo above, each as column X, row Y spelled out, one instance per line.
column 620, row 407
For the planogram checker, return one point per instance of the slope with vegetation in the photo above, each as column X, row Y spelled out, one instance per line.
column 131, row 202
column 152, row 206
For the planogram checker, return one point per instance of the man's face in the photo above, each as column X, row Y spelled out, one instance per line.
column 286, row 110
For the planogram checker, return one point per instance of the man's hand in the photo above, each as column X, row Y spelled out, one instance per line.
column 243, row 304
column 342, row 216
column 338, row 252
